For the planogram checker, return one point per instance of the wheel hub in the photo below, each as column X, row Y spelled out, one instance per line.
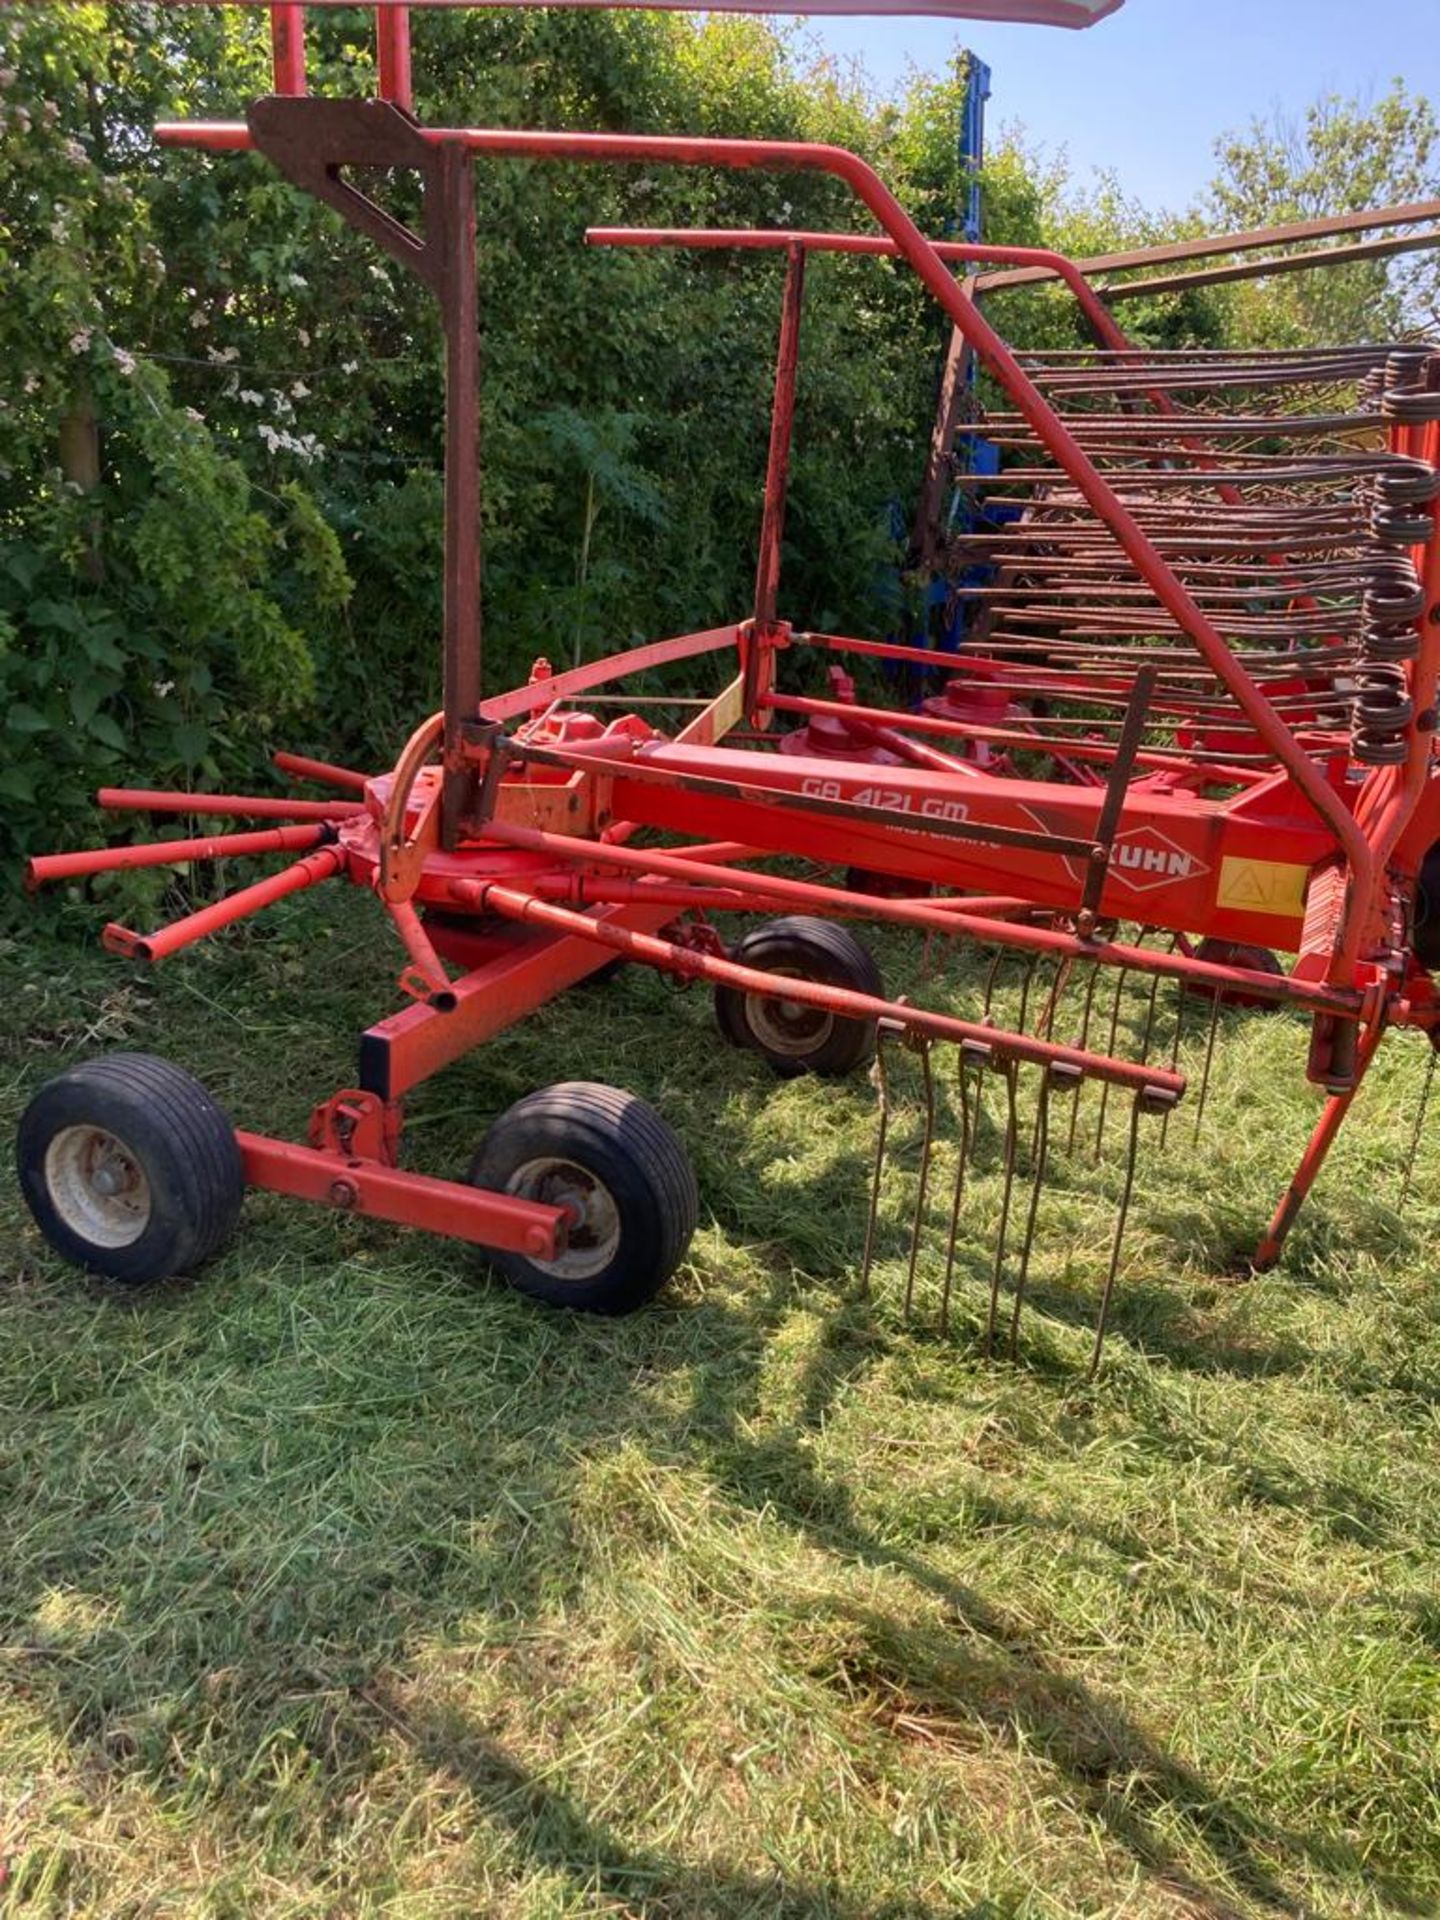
column 97, row 1186
column 594, row 1236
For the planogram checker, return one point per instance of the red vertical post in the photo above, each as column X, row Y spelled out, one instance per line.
column 392, row 52
column 287, row 46
column 782, row 420
column 450, row 226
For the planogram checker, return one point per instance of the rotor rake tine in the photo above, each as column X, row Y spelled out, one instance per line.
column 1110, row 1049
column 990, row 978
column 1011, row 1128
column 969, row 1128
column 1174, row 1055
column 1030, row 966
column 1081, row 1043
column 1039, row 1154
column 1209, row 1060
column 880, row 1080
column 1416, row 1130
column 1045, row 1024
column 922, row 1048
column 1136, row 1109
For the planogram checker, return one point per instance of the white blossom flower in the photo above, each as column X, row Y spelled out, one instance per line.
column 75, row 153
column 349, row 366
column 221, row 356
column 299, row 391
column 32, row 381
column 162, row 687
column 199, row 317
column 21, row 119
column 249, row 397
column 303, row 336
column 80, row 339
column 192, row 413
column 124, row 361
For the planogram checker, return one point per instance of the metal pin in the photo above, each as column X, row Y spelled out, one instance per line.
column 922, row 1047
column 1011, row 1127
column 1045, row 1024
column 1082, row 1043
column 990, row 977
column 1174, row 1054
column 1415, row 1133
column 1039, row 1150
column 967, row 1133
column 1137, row 1107
column 1209, row 1057
column 1030, row 966
column 880, row 1080
column 1110, row 1049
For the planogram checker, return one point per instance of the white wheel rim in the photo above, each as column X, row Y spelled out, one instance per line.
column 789, row 1027
column 594, row 1234
column 97, row 1186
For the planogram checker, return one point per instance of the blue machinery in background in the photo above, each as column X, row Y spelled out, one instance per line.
column 943, row 508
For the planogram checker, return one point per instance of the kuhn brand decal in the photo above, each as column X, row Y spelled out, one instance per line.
column 891, row 799
column 1145, row 858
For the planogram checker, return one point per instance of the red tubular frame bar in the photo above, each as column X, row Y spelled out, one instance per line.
column 1050, row 430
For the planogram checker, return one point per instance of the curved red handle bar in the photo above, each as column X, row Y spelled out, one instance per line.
column 927, row 262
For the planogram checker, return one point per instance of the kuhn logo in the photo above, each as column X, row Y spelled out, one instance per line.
column 1146, row 858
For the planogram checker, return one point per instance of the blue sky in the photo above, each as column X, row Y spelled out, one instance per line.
column 1146, row 91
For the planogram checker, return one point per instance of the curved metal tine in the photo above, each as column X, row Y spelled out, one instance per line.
column 1136, row 1109
column 1045, row 1024
column 1174, row 1054
column 1008, row 1068
column 1039, row 1153
column 1081, row 1044
column 995, row 964
column 1110, row 1049
column 922, row 1047
column 1416, row 1130
column 1209, row 1058
column 880, row 1080
column 1030, row 966
column 967, row 1135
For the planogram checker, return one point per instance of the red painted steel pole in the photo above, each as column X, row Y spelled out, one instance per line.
column 1320, row 1143
column 782, row 421
column 392, row 52
column 287, row 46
column 930, row 917
column 412, row 1199
column 323, row 865
column 241, row 805
column 692, row 965
column 48, row 867
column 322, row 770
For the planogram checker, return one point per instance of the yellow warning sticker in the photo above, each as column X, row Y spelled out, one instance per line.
column 1262, row 886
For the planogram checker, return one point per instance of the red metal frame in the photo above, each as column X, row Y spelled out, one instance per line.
column 498, row 843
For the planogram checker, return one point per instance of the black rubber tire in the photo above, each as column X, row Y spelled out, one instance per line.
column 1237, row 953
column 1426, row 933
column 169, row 1129
column 619, row 1141
column 810, row 949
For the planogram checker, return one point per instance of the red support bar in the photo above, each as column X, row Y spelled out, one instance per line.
column 411, row 1199
column 287, row 46
column 689, row 964
column 932, row 917
column 323, row 865
column 48, row 867
column 321, row 770
column 242, row 806
column 392, row 53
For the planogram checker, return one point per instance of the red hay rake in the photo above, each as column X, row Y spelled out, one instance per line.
column 1199, row 702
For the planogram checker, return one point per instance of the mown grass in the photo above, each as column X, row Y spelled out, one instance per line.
column 342, row 1581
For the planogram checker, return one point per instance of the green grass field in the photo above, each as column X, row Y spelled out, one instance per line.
column 342, row 1581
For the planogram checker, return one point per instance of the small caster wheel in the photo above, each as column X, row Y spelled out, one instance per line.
column 130, row 1168
column 1235, row 953
column 621, row 1171
column 792, row 1037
